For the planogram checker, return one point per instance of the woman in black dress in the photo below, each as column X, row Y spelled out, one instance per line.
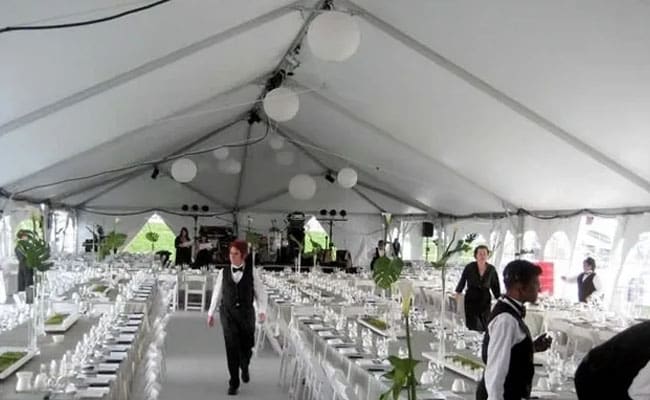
column 183, row 245
column 480, row 277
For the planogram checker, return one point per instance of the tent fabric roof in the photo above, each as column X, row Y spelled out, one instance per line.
column 453, row 107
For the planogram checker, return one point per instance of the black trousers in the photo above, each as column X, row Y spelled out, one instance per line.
column 25, row 278
column 239, row 333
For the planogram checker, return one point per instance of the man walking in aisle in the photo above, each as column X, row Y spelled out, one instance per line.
column 235, row 289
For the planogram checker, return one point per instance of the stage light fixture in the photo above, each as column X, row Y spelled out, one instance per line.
column 330, row 177
column 205, row 208
column 343, row 213
column 323, row 212
column 332, row 212
column 195, row 207
column 155, row 172
column 185, row 207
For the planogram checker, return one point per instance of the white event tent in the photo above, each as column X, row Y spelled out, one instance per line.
column 489, row 117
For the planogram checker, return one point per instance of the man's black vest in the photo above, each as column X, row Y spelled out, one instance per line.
column 519, row 379
column 610, row 368
column 237, row 296
column 585, row 286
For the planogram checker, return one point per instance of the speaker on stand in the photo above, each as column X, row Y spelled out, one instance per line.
column 427, row 232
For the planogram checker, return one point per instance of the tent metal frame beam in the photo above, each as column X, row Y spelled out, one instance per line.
column 136, row 131
column 264, row 199
column 145, row 68
column 244, row 159
column 499, row 96
column 318, row 161
column 339, row 108
column 139, row 170
column 102, row 192
column 289, row 134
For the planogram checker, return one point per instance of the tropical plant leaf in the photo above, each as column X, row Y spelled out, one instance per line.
column 112, row 242
column 35, row 250
column 152, row 236
column 387, row 271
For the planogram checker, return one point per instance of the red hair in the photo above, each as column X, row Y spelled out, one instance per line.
column 240, row 245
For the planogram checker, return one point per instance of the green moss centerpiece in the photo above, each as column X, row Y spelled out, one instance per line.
column 8, row 358
column 56, row 319
column 375, row 322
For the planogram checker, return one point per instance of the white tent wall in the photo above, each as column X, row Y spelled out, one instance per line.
column 128, row 224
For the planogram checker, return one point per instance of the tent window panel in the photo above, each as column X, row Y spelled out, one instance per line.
column 140, row 244
column 632, row 293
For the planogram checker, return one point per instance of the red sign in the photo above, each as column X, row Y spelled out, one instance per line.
column 547, row 278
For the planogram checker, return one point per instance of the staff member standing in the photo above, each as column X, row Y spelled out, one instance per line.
column 507, row 345
column 588, row 282
column 480, row 277
column 235, row 289
column 617, row 369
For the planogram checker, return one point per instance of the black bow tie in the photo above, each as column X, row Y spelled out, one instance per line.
column 237, row 269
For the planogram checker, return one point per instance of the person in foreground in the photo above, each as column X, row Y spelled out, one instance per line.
column 508, row 347
column 588, row 282
column 480, row 277
column 617, row 369
column 235, row 289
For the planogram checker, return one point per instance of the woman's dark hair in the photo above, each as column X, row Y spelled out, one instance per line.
column 479, row 247
column 590, row 262
column 187, row 233
column 520, row 271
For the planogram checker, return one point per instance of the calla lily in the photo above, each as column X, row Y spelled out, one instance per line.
column 406, row 289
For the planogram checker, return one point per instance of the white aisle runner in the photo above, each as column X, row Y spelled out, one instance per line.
column 196, row 364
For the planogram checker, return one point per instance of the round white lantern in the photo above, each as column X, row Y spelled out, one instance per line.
column 334, row 36
column 230, row 166
column 347, row 178
column 302, row 187
column 285, row 157
column 276, row 142
column 183, row 170
column 281, row 104
column 221, row 153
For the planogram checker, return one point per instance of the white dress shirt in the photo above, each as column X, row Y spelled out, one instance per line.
column 259, row 290
column 640, row 387
column 505, row 332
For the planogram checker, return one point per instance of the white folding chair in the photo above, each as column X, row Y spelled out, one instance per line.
column 195, row 285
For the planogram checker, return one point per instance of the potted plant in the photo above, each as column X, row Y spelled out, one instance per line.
column 111, row 243
column 152, row 237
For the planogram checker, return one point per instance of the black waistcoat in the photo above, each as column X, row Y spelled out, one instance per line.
column 612, row 366
column 521, row 369
column 237, row 296
column 585, row 286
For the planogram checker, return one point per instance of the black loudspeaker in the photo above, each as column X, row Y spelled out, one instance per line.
column 427, row 229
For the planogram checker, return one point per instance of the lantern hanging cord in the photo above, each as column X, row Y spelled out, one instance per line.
column 82, row 23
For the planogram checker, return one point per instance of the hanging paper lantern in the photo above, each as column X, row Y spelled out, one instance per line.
column 221, row 153
column 285, row 157
column 334, row 36
column 230, row 166
column 183, row 170
column 281, row 104
column 347, row 178
column 276, row 142
column 302, row 187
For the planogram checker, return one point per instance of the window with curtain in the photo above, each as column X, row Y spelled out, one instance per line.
column 632, row 291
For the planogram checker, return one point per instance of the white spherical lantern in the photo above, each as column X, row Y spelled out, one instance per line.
column 229, row 166
column 347, row 178
column 276, row 142
column 281, row 104
column 183, row 170
column 221, row 153
column 285, row 157
column 302, row 187
column 334, row 36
